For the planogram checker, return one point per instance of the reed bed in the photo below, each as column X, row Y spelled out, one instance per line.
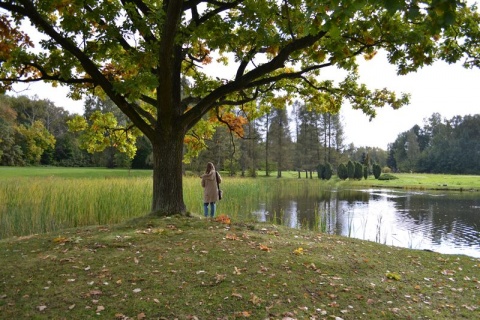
column 46, row 200
column 38, row 205
column 31, row 205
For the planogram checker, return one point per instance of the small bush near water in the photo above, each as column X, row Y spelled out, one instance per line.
column 387, row 176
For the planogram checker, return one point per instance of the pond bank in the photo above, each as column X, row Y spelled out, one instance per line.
column 191, row 268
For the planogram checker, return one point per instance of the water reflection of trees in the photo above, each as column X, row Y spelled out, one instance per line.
column 453, row 218
column 444, row 217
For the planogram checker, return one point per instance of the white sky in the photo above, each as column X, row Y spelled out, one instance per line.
column 450, row 90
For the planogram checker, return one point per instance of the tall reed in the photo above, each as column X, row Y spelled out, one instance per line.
column 47, row 204
column 37, row 205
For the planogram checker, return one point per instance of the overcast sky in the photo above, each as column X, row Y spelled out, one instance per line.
column 447, row 89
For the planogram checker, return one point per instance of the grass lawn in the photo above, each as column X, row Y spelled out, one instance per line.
column 191, row 268
column 405, row 180
column 60, row 172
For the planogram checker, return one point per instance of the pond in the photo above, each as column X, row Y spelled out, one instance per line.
column 445, row 222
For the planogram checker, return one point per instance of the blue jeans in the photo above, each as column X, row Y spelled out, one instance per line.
column 212, row 209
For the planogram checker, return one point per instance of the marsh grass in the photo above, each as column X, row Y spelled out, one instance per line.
column 192, row 268
column 36, row 200
column 37, row 205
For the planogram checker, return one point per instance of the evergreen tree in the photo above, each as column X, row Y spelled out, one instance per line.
column 377, row 170
column 280, row 142
column 342, row 171
column 351, row 170
column 358, row 173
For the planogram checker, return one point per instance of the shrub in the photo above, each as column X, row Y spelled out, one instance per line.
column 321, row 171
column 387, row 176
column 358, row 171
column 327, row 172
column 351, row 169
column 377, row 171
column 365, row 172
column 342, row 171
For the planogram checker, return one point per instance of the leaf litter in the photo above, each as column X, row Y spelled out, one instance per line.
column 189, row 268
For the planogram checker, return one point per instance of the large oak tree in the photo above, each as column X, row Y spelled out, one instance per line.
column 135, row 52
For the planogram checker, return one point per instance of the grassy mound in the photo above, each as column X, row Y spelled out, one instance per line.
column 192, row 268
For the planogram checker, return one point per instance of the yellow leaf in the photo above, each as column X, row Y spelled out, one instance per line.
column 298, row 251
column 60, row 239
column 394, row 276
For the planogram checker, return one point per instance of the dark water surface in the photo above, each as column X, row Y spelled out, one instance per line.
column 445, row 222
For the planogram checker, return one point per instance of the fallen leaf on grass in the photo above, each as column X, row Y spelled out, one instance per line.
column 100, row 309
column 220, row 277
column 141, row 316
column 60, row 239
column 237, row 271
column 255, row 299
column 298, row 251
column 448, row 272
column 237, row 295
column 470, row 308
column 41, row 308
column 393, row 276
column 231, row 237
column 264, row 248
column 223, row 219
column 95, row 293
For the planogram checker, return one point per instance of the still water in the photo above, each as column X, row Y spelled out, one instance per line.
column 445, row 222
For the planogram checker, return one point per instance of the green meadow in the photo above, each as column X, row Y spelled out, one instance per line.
column 37, row 200
column 78, row 244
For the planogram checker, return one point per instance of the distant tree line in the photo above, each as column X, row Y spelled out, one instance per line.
column 305, row 140
column 440, row 146
column 35, row 132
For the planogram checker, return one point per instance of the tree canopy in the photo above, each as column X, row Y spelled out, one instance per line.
column 136, row 53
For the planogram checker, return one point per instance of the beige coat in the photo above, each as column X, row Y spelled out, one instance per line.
column 209, row 184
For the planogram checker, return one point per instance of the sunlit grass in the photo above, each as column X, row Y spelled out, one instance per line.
column 37, row 205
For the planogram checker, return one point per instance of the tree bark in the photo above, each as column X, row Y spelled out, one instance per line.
column 167, row 175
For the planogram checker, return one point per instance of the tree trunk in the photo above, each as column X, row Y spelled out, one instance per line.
column 167, row 176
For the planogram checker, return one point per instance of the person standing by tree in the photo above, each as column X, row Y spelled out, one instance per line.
column 210, row 189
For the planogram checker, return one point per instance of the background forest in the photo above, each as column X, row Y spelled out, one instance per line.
column 35, row 132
